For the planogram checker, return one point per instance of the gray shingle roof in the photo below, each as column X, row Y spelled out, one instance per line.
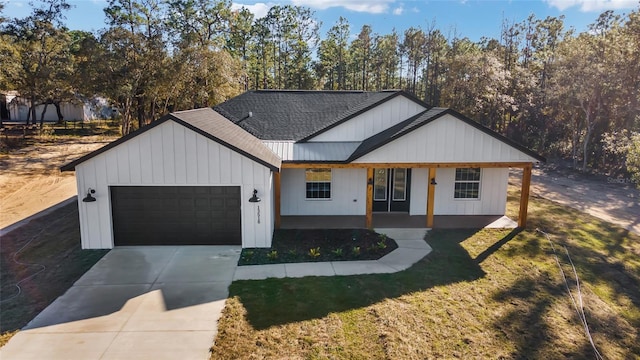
column 218, row 128
column 209, row 124
column 297, row 115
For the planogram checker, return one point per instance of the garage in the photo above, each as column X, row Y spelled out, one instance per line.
column 176, row 215
column 190, row 178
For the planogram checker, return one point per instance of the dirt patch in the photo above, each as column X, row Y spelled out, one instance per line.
column 30, row 179
column 311, row 245
column 613, row 200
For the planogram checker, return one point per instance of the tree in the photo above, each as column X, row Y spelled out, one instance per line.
column 333, row 54
column 239, row 39
column 41, row 45
column 361, row 58
column 633, row 159
column 134, row 59
column 386, row 58
column 206, row 73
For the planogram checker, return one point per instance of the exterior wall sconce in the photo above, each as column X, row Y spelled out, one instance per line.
column 370, row 181
column 433, row 181
column 89, row 197
column 255, row 198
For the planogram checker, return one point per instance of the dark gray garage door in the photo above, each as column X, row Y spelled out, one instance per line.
column 176, row 215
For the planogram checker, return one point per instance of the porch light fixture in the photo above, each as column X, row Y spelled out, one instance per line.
column 89, row 197
column 433, row 181
column 255, row 198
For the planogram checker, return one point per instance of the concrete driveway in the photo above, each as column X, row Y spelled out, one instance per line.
column 147, row 302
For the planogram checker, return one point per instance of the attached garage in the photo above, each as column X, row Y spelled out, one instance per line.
column 176, row 215
column 185, row 179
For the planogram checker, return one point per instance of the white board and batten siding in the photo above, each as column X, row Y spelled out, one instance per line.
column 172, row 155
column 492, row 199
column 372, row 121
column 446, row 140
column 418, row 195
column 348, row 193
column 450, row 140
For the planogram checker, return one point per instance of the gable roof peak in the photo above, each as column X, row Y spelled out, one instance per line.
column 300, row 114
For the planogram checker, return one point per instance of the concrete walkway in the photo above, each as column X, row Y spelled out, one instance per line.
column 164, row 302
column 146, row 302
column 411, row 249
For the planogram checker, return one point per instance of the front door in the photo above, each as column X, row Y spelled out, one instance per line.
column 391, row 190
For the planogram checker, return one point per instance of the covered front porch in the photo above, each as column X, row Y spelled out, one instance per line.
column 425, row 218
column 397, row 220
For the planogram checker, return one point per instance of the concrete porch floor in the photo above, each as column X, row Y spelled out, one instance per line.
column 397, row 220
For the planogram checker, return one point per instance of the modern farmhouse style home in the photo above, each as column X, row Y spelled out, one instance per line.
column 234, row 173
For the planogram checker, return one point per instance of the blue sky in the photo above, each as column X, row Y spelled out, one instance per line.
column 464, row 18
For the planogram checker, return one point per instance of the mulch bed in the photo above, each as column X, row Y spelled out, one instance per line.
column 291, row 246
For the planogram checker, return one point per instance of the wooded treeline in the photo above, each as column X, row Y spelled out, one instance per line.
column 562, row 93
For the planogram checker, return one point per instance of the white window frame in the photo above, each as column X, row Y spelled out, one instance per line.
column 479, row 182
column 307, row 182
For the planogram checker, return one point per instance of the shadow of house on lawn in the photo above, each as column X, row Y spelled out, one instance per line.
column 275, row 302
column 537, row 303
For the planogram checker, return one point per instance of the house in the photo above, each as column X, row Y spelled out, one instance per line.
column 15, row 108
column 231, row 174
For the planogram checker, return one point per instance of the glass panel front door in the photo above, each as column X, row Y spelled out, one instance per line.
column 391, row 190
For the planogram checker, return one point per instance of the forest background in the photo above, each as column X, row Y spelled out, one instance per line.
column 570, row 96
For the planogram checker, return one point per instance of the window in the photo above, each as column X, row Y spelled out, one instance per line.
column 467, row 184
column 399, row 184
column 380, row 185
column 318, row 183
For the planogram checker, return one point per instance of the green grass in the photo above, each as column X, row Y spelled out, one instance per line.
column 55, row 243
column 479, row 294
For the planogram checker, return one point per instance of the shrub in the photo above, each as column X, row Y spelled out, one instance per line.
column 337, row 252
column 272, row 255
column 314, row 253
column 356, row 250
column 247, row 255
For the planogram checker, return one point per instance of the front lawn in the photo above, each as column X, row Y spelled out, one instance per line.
column 480, row 294
column 51, row 260
column 310, row 245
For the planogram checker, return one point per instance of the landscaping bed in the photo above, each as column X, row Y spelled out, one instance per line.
column 311, row 245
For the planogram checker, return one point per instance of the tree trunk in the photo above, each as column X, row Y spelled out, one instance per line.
column 44, row 111
column 59, row 112
column 33, row 109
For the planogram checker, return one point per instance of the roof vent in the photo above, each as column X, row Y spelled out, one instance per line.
column 250, row 113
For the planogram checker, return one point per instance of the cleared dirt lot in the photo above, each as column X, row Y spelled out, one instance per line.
column 614, row 200
column 30, row 179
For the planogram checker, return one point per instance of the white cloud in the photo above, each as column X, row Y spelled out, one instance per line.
column 367, row 6
column 593, row 5
column 259, row 10
column 398, row 10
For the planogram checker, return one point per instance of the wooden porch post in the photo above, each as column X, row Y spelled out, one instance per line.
column 276, row 195
column 524, row 196
column 430, row 197
column 369, row 204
